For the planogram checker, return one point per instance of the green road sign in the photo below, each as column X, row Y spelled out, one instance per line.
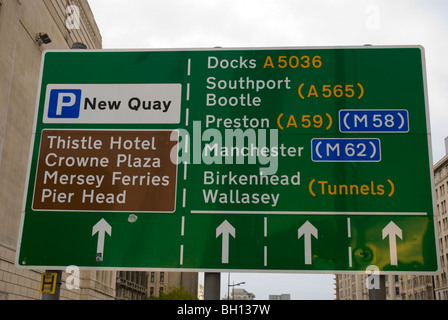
column 286, row 159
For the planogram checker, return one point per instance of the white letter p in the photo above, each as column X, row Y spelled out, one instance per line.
column 61, row 104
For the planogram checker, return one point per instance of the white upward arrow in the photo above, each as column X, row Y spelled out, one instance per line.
column 225, row 229
column 392, row 230
column 307, row 230
column 101, row 228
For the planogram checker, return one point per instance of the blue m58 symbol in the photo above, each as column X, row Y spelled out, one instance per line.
column 64, row 103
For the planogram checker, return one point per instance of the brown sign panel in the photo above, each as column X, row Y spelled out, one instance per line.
column 106, row 170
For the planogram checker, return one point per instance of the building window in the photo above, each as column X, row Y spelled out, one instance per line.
column 152, row 277
column 162, row 277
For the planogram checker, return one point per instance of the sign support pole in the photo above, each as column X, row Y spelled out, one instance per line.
column 380, row 293
column 212, row 285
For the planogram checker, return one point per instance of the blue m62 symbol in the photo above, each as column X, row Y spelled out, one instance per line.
column 346, row 150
